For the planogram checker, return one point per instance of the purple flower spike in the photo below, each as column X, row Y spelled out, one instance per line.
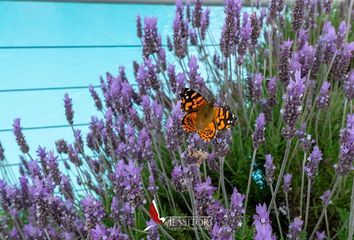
column 348, row 86
column 139, row 31
column 197, row 14
column 231, row 28
column 69, row 112
column 327, row 4
column 258, row 135
column 204, row 194
column 292, row 109
column 99, row 232
column 346, row 152
column 245, row 33
column 93, row 211
column 169, row 44
column 193, row 37
column 272, row 91
column 20, row 138
column 151, row 39
column 320, row 235
column 180, row 36
column 153, row 232
column 295, row 228
column 262, row 223
column 152, row 186
column 53, row 167
column 323, row 98
column 255, row 87
column 342, row 62
column 128, row 184
column 287, row 182
column 174, row 134
column 284, row 62
column 314, row 159
column 298, row 15
column 269, row 168
column 342, row 30
column 256, row 24
column 196, row 81
column 204, row 23
column 221, row 232
column 96, row 98
column 236, row 210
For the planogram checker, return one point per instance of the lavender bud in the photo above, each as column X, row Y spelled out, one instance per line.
column 93, row 211
column 298, row 15
column 323, row 98
column 258, row 135
column 69, row 112
column 348, row 86
column 139, row 31
column 269, row 169
column 346, row 152
column 295, row 229
column 20, row 138
column 262, row 223
column 204, row 23
column 197, row 14
column 151, row 40
column 256, row 28
column 203, row 196
column 96, row 98
column 292, row 108
column 255, row 87
column 287, row 182
column 284, row 62
column 153, row 232
column 320, row 235
column 169, row 44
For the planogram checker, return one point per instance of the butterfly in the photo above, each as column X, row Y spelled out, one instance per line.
column 202, row 116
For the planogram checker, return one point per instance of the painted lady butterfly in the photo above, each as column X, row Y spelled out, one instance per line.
column 203, row 117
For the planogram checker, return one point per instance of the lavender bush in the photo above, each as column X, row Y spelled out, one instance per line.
column 285, row 71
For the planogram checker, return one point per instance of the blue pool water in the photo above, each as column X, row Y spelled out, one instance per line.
column 47, row 24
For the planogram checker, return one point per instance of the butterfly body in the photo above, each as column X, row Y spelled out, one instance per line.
column 203, row 117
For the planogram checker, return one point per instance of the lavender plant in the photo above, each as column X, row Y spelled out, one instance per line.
column 298, row 62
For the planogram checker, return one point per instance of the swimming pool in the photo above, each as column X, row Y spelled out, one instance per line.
column 65, row 24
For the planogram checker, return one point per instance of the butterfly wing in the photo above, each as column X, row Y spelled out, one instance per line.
column 188, row 122
column 191, row 100
column 224, row 118
column 209, row 132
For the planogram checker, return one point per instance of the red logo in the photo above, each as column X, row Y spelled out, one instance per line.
column 154, row 214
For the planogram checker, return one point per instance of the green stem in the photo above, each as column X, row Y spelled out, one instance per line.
column 287, row 205
column 277, row 215
column 307, row 202
column 281, row 173
column 222, row 180
column 248, row 187
column 351, row 220
column 344, row 112
column 327, row 225
column 302, row 182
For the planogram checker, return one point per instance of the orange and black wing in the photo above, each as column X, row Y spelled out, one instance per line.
column 188, row 122
column 191, row 100
column 208, row 133
column 224, row 118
